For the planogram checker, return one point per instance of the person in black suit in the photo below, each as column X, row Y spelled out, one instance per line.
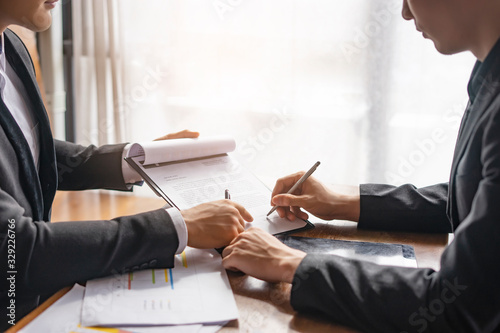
column 464, row 295
column 39, row 258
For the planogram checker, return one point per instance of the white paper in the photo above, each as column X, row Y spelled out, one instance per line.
column 196, row 290
column 181, row 149
column 61, row 317
column 172, row 329
column 188, row 184
column 64, row 317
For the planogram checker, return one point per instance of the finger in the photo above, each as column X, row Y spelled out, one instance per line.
column 243, row 212
column 299, row 213
column 232, row 244
column 186, row 134
column 241, row 222
column 227, row 263
column 284, row 184
column 233, row 269
column 278, row 188
column 289, row 200
column 227, row 250
column 280, row 200
column 281, row 211
column 290, row 216
column 230, row 262
column 302, row 201
column 179, row 135
column 240, row 226
column 302, row 215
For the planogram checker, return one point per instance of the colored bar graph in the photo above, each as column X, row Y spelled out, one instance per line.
column 167, row 272
column 184, row 260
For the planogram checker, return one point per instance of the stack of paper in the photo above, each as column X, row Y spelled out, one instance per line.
column 195, row 296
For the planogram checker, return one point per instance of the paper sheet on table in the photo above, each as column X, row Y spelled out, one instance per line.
column 196, row 290
column 64, row 317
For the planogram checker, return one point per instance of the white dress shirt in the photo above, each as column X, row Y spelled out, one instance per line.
column 17, row 101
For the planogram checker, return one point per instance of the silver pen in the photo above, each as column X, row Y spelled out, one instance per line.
column 297, row 184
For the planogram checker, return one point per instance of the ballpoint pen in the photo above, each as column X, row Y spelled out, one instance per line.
column 297, row 184
column 227, row 195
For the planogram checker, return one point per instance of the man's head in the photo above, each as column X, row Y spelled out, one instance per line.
column 32, row 14
column 456, row 25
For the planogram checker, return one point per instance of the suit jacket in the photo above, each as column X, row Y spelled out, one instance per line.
column 464, row 296
column 44, row 257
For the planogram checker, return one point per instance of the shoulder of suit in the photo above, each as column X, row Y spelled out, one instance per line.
column 20, row 47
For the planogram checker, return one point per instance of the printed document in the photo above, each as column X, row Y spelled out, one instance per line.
column 195, row 291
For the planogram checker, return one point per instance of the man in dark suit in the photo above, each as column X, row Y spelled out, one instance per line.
column 38, row 258
column 464, row 295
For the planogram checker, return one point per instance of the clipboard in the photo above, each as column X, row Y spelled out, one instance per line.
column 379, row 253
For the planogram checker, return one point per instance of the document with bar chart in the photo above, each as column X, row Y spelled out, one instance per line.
column 195, row 291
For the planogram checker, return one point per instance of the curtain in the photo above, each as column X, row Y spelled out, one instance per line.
column 350, row 84
column 98, row 72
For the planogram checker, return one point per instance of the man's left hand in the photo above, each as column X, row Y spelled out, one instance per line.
column 259, row 254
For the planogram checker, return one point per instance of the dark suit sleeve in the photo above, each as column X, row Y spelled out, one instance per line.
column 462, row 297
column 49, row 256
column 81, row 168
column 404, row 208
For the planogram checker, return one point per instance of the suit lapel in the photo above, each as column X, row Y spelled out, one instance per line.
column 30, row 182
column 47, row 174
column 473, row 114
column 469, row 123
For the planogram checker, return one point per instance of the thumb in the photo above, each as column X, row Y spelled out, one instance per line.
column 288, row 200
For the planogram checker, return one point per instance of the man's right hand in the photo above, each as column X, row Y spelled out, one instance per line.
column 315, row 198
column 215, row 224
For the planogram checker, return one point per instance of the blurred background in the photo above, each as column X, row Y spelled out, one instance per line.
column 351, row 84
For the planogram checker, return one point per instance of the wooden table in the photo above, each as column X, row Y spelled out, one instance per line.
column 263, row 307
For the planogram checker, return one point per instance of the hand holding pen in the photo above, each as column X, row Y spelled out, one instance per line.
column 299, row 190
column 284, row 182
column 314, row 197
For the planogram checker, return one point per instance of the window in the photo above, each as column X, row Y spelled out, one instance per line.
column 350, row 84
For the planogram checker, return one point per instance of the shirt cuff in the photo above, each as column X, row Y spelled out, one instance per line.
column 130, row 176
column 180, row 227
